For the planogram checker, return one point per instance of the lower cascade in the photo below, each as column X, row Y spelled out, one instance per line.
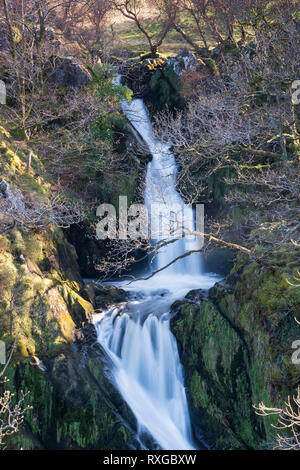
column 136, row 335
column 149, row 376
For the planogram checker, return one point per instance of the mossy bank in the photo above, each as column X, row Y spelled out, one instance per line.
column 45, row 315
column 236, row 348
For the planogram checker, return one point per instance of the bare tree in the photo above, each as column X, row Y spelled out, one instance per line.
column 288, row 422
column 12, row 411
column 162, row 14
column 204, row 21
column 19, row 211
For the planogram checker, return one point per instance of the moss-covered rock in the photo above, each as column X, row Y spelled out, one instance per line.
column 236, row 348
column 107, row 295
column 73, row 405
column 57, row 362
column 215, row 362
column 164, row 88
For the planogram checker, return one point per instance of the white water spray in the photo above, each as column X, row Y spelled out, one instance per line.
column 136, row 336
column 161, row 190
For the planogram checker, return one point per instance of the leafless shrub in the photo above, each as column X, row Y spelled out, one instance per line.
column 288, row 420
column 12, row 411
column 11, row 415
column 242, row 122
column 19, row 211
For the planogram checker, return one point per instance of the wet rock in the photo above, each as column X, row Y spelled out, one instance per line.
column 134, row 139
column 161, row 292
column 107, row 295
column 175, row 310
column 197, row 295
column 215, row 364
column 74, row 404
column 194, row 297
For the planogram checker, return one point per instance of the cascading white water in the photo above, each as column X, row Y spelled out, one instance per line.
column 136, row 335
column 161, row 189
column 149, row 376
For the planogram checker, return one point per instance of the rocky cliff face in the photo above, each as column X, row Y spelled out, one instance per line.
column 57, row 359
column 46, row 309
column 236, row 347
column 74, row 406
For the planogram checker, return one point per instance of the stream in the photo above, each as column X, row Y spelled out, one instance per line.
column 136, row 335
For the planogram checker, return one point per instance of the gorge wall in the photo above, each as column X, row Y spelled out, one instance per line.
column 236, row 348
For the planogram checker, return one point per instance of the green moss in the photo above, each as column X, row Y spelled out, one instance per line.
column 121, row 185
column 245, row 352
column 4, row 243
column 8, row 274
column 69, row 407
column 28, row 183
column 165, row 89
column 216, row 365
column 33, row 248
column 211, row 64
column 41, row 306
column 198, row 391
column 17, row 242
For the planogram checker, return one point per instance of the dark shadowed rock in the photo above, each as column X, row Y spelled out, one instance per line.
column 68, row 73
column 106, row 295
column 197, row 295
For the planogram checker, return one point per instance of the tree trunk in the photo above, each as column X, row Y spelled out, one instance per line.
column 29, row 158
column 187, row 38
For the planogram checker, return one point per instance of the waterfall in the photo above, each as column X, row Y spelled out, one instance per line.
column 161, row 189
column 148, row 374
column 136, row 335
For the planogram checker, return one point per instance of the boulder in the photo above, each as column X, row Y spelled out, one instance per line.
column 4, row 189
column 197, row 296
column 215, row 362
column 185, row 61
column 67, row 72
column 107, row 295
column 235, row 347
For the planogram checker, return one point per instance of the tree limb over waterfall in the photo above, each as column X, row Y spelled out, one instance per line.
column 190, row 252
